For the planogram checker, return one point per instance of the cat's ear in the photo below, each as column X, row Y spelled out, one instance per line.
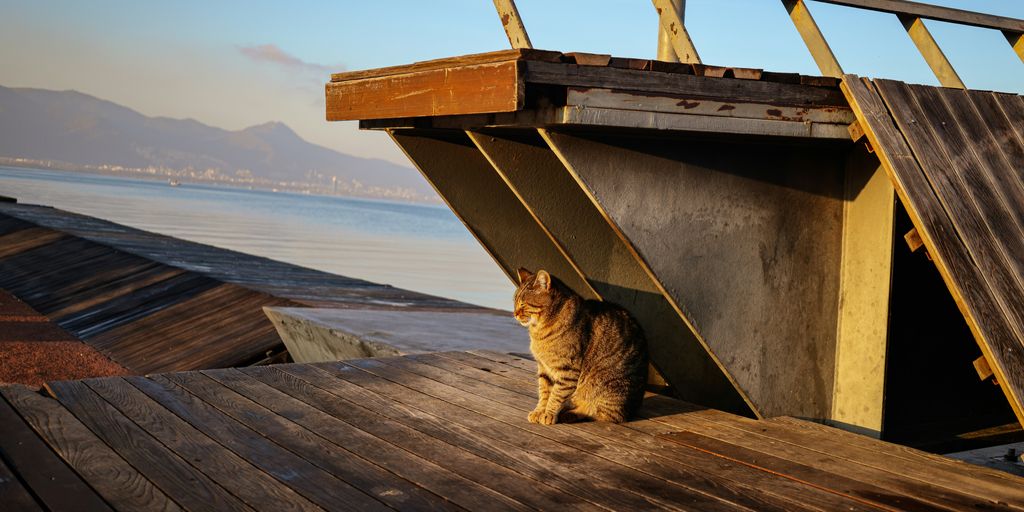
column 524, row 275
column 543, row 279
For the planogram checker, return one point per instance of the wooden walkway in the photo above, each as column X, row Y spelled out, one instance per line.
column 154, row 303
column 956, row 159
column 443, row 431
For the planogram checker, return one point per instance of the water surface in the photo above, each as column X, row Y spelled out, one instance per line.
column 418, row 247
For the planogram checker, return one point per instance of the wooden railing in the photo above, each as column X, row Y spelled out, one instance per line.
column 912, row 15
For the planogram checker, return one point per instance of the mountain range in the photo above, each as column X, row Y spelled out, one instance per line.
column 78, row 129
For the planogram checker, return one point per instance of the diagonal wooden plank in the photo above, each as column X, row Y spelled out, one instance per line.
column 1000, row 146
column 175, row 476
column 398, row 425
column 451, row 425
column 358, row 473
column 601, row 481
column 955, row 264
column 659, row 457
column 1013, row 107
column 13, row 493
column 826, row 480
column 290, row 470
column 422, row 472
column 509, row 359
column 249, row 483
column 979, row 481
column 56, row 485
column 620, row 462
column 799, row 459
column 111, row 476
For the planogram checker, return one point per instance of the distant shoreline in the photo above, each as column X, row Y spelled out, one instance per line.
column 158, row 174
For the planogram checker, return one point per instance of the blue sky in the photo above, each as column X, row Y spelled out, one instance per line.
column 234, row 64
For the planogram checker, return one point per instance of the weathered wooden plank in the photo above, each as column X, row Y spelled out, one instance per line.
column 591, row 116
column 27, row 239
column 509, row 359
column 357, row 472
column 674, row 83
column 13, row 494
column 992, row 148
column 692, row 468
column 955, row 264
column 935, row 12
column 836, row 479
column 291, row 471
column 174, row 475
column 474, row 59
column 681, row 104
column 976, row 213
column 654, row 477
column 56, row 485
column 979, row 481
column 922, row 467
column 641, row 434
column 1013, row 107
column 241, row 477
column 598, row 480
column 423, row 472
column 784, row 441
column 121, row 485
column 368, row 412
column 459, row 90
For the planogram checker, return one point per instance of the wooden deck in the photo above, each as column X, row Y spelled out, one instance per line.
column 443, row 431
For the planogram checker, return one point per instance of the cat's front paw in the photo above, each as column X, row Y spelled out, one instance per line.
column 534, row 416
column 547, row 418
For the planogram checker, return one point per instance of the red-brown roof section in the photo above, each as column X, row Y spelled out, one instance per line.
column 34, row 350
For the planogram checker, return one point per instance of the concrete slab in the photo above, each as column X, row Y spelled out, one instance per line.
column 322, row 334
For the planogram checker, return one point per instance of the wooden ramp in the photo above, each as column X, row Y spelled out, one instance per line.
column 956, row 159
column 444, row 431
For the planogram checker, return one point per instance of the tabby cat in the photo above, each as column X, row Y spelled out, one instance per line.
column 591, row 355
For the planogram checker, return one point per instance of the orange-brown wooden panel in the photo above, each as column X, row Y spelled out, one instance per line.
column 494, row 87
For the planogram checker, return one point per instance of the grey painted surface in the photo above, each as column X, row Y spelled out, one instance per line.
column 745, row 238
column 558, row 203
column 320, row 334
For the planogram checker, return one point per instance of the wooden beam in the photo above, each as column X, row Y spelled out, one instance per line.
column 478, row 196
column 590, row 97
column 815, row 41
column 1016, row 40
column 934, row 12
column 869, row 207
column 913, row 239
column 982, row 367
column 931, row 52
column 493, row 87
column 513, row 24
column 671, row 22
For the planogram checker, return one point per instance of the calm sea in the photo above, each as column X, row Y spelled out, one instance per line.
column 417, row 247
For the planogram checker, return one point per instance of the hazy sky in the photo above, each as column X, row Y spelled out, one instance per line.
column 234, row 64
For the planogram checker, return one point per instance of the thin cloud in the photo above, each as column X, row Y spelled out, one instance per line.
column 274, row 54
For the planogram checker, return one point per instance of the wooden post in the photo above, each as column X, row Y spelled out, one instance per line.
column 1016, row 40
column 815, row 41
column 514, row 28
column 931, row 52
column 674, row 43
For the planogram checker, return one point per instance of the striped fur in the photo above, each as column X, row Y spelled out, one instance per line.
column 591, row 355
